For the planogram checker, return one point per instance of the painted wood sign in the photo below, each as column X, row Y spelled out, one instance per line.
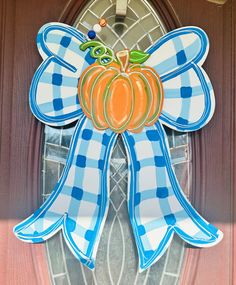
column 131, row 94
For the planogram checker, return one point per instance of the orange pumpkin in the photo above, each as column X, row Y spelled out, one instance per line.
column 121, row 96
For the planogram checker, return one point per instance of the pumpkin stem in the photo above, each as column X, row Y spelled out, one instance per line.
column 123, row 59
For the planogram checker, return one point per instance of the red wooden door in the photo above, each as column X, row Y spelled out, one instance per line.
column 20, row 146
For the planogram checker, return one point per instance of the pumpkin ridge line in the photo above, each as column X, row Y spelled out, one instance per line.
column 85, row 75
column 159, row 84
column 93, row 116
column 93, row 112
column 150, row 97
column 122, row 128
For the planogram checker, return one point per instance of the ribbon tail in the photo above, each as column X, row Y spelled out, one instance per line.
column 157, row 206
column 78, row 204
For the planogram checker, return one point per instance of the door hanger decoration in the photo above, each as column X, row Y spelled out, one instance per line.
column 130, row 93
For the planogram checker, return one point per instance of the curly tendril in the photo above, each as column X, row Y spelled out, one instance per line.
column 102, row 53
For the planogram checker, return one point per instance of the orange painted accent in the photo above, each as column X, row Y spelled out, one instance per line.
column 121, row 96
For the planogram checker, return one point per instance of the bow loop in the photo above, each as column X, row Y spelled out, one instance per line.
column 54, row 88
column 177, row 49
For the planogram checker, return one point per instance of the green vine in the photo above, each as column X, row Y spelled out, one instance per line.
column 98, row 50
column 105, row 55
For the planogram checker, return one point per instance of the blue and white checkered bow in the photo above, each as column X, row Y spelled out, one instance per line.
column 157, row 206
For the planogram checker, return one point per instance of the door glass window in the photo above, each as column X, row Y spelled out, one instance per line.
column 117, row 261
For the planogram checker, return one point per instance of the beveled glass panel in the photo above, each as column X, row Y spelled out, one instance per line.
column 117, row 260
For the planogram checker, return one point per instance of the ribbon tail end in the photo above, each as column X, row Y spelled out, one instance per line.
column 198, row 232
column 161, row 240
column 37, row 229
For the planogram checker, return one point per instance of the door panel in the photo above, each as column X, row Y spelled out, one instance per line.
column 20, row 147
column 214, row 146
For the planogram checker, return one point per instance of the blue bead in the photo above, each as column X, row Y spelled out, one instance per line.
column 91, row 34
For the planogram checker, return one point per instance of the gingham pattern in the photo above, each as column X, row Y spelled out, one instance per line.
column 54, row 89
column 78, row 203
column 157, row 205
column 177, row 57
column 189, row 98
column 178, row 48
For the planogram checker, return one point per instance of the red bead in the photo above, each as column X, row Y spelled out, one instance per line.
column 103, row 22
